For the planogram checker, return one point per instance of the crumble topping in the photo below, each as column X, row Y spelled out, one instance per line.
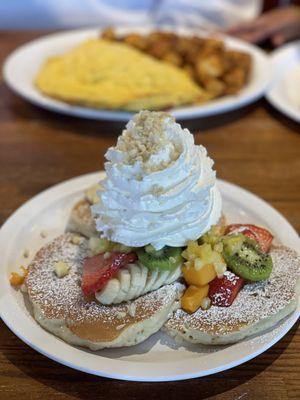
column 146, row 136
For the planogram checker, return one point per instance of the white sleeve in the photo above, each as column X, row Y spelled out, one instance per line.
column 210, row 14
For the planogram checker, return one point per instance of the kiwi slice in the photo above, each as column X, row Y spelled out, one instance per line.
column 248, row 261
column 166, row 259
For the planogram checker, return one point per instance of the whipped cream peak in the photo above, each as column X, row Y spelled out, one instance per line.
column 160, row 187
column 146, row 142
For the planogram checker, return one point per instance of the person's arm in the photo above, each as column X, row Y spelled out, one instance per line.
column 279, row 25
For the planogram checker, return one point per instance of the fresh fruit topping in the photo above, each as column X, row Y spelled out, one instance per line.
column 205, row 303
column 213, row 235
column 97, row 270
column 61, row 269
column 76, row 239
column 232, row 243
column 193, row 297
column 248, row 261
column 98, row 245
column 101, row 245
column 165, row 259
column 222, row 291
column 262, row 236
column 203, row 262
column 199, row 277
column 17, row 279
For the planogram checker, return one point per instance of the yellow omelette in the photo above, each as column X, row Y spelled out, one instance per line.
column 102, row 74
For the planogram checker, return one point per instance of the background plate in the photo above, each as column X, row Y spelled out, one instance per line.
column 284, row 93
column 21, row 67
column 159, row 358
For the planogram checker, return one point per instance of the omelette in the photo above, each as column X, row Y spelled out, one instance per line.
column 102, row 74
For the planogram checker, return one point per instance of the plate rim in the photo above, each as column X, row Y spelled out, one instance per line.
column 128, row 366
column 276, row 57
column 229, row 103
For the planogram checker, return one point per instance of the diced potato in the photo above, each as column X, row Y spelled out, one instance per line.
column 199, row 277
column 192, row 298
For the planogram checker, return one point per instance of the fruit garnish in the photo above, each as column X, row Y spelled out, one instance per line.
column 262, row 236
column 101, row 245
column 203, row 263
column 193, row 297
column 97, row 270
column 17, row 279
column 223, row 291
column 232, row 243
column 247, row 261
column 167, row 258
column 199, row 277
column 61, row 269
column 213, row 235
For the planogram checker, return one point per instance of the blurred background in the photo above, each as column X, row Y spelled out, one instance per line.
column 51, row 14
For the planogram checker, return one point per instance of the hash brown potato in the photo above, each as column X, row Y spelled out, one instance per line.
column 207, row 60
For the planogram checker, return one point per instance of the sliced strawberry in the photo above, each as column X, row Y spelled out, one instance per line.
column 99, row 269
column 222, row 291
column 262, row 236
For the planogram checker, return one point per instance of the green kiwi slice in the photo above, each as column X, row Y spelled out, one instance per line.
column 249, row 262
column 168, row 258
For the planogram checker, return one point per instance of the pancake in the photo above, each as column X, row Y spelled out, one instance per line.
column 81, row 220
column 257, row 307
column 60, row 307
column 102, row 74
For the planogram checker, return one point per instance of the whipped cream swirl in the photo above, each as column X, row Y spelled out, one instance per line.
column 160, row 187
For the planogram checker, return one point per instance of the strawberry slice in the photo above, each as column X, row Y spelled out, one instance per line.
column 262, row 236
column 222, row 291
column 99, row 269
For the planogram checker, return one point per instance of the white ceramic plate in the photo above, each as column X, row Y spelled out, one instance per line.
column 23, row 64
column 158, row 358
column 284, row 93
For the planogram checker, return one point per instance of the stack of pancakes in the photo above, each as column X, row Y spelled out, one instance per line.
column 60, row 307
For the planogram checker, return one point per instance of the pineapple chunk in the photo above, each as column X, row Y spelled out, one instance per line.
column 233, row 243
column 205, row 303
column 203, row 263
column 98, row 245
column 199, row 277
column 213, row 235
column 192, row 298
column 121, row 248
column 61, row 269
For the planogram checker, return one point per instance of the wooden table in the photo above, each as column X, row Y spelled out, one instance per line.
column 255, row 147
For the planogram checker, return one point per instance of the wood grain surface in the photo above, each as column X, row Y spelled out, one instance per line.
column 255, row 147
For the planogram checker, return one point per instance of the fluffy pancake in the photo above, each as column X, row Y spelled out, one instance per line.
column 60, row 307
column 81, row 219
column 257, row 307
column 102, row 74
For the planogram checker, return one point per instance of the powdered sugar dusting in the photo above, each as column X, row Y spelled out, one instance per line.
column 254, row 302
column 62, row 298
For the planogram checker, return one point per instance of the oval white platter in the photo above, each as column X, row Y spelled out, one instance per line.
column 21, row 67
column 159, row 358
column 284, row 93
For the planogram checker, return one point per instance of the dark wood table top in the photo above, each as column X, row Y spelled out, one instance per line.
column 255, row 147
